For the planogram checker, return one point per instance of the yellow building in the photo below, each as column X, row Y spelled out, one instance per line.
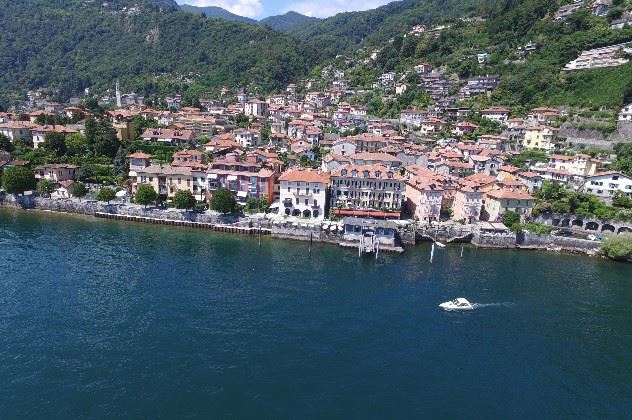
column 497, row 202
column 539, row 137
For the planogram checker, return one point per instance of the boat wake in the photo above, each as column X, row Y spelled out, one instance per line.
column 492, row 305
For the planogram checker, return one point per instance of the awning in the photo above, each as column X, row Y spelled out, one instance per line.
column 232, row 177
column 212, row 176
column 242, row 194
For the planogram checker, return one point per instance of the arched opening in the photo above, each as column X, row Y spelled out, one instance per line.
column 607, row 228
column 624, row 229
column 296, row 212
column 307, row 213
column 288, row 211
column 578, row 222
column 555, row 222
column 592, row 226
column 316, row 213
column 565, row 223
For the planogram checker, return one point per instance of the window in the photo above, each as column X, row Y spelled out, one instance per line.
column 151, row 179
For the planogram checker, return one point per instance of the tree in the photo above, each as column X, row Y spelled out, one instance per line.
column 101, row 138
column 55, row 142
column 18, row 179
column 5, row 143
column 106, row 194
column 146, row 194
column 511, row 218
column 223, row 201
column 184, row 199
column 620, row 199
column 618, row 247
column 78, row 190
column 45, row 186
column 76, row 144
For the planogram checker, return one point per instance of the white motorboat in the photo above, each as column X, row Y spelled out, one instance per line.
column 458, row 304
column 440, row 244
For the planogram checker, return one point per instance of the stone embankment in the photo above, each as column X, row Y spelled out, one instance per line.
column 538, row 242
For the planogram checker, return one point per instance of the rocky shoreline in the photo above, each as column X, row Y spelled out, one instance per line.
column 287, row 231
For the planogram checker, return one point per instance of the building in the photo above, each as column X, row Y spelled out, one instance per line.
column 497, row 114
column 376, row 158
column 412, row 117
column 497, row 202
column 626, row 113
column 168, row 135
column 467, row 205
column 255, row 107
column 17, row 130
column 56, row 172
column 367, row 187
column 39, row 133
column 168, row 179
column 304, row 192
column 539, row 137
column 579, row 164
column 611, row 56
column 247, row 138
column 423, row 198
column 605, row 184
column 244, row 178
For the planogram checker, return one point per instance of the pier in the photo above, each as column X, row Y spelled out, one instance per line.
column 244, row 230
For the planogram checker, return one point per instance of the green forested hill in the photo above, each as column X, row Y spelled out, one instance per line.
column 288, row 22
column 349, row 30
column 215, row 11
column 72, row 45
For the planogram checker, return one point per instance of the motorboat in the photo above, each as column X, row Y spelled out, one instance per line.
column 458, row 304
column 439, row 244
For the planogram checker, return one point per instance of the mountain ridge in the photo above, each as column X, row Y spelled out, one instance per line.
column 287, row 22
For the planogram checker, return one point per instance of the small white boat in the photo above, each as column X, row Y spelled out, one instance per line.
column 458, row 304
column 439, row 244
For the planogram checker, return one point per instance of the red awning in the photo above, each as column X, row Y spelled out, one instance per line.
column 367, row 213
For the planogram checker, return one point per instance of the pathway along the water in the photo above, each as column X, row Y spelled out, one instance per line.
column 107, row 319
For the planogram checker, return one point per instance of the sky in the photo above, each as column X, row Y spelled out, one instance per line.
column 258, row 9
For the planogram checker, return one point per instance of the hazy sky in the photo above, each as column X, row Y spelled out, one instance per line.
column 261, row 8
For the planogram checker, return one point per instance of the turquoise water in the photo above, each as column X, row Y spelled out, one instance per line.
column 105, row 319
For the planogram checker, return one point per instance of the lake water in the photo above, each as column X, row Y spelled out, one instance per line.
column 106, row 319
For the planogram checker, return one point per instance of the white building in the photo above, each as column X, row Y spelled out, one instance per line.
column 256, row 108
column 626, row 113
column 605, row 184
column 303, row 192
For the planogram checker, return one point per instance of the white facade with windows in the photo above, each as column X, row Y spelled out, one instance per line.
column 303, row 193
column 605, row 184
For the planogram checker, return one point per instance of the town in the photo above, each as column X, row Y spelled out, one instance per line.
column 323, row 149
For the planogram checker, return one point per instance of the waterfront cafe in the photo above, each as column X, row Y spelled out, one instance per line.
column 382, row 230
column 490, row 228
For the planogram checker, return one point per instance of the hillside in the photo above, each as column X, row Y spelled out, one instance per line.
column 352, row 29
column 73, row 45
column 215, row 11
column 288, row 22
column 501, row 29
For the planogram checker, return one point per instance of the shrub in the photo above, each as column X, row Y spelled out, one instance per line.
column 618, row 247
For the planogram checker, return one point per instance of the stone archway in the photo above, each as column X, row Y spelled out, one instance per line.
column 307, row 213
column 555, row 222
column 624, row 229
column 592, row 226
column 565, row 223
column 288, row 211
column 577, row 223
column 607, row 228
column 296, row 212
column 315, row 213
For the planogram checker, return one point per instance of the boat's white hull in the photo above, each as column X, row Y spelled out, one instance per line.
column 449, row 306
